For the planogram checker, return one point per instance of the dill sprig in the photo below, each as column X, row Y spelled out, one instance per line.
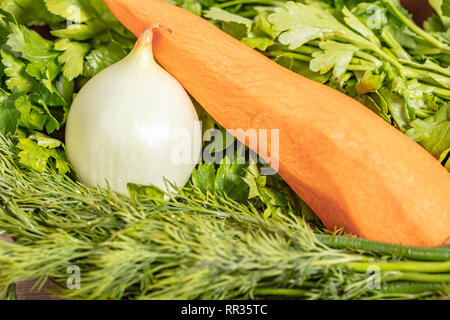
column 188, row 246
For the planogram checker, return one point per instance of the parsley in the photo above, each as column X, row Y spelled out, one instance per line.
column 40, row 76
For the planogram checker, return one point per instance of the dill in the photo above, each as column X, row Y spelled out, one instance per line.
column 187, row 246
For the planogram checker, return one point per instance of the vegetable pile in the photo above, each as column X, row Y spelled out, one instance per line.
column 230, row 232
column 328, row 148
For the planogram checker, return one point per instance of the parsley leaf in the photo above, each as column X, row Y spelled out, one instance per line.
column 31, row 116
column 72, row 57
column 335, row 55
column 204, row 176
column 433, row 133
column 15, row 70
column 30, row 12
column 102, row 57
column 9, row 115
column 31, row 45
column 36, row 157
column 301, row 23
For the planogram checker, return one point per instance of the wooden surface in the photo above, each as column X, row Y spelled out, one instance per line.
column 24, row 289
column 420, row 9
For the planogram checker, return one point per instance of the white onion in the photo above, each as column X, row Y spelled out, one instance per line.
column 133, row 122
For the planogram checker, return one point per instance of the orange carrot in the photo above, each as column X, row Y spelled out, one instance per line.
column 353, row 169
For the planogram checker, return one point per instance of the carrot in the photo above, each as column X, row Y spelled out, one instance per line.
column 353, row 169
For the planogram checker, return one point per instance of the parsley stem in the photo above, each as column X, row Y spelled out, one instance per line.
column 415, row 28
column 297, row 56
column 240, row 2
column 396, row 47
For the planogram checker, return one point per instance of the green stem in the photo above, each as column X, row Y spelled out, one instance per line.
column 238, row 2
column 443, row 93
column 297, row 56
column 368, row 57
column 409, row 252
column 414, row 27
column 410, row 287
column 398, row 49
column 424, row 277
column 361, row 67
column 426, row 76
column 431, row 267
column 305, row 58
column 248, row 13
column 280, row 292
column 416, row 65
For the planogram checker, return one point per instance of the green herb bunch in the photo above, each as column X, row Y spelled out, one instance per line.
column 189, row 246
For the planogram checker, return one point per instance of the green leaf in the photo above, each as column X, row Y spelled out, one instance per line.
column 264, row 26
column 142, row 192
column 37, row 157
column 102, row 57
column 30, row 12
column 255, row 181
column 45, row 141
column 233, row 24
column 9, row 115
column 221, row 15
column 442, row 8
column 18, row 79
column 73, row 10
column 6, row 19
column 80, row 32
column 433, row 133
column 31, row 116
column 335, row 55
column 356, row 24
column 229, row 180
column 204, row 176
column 192, row 6
column 369, row 83
column 65, row 88
column 236, row 30
column 397, row 108
column 51, row 124
column 32, row 155
column 258, row 43
column 51, row 98
column 301, row 23
column 72, row 57
column 31, row 45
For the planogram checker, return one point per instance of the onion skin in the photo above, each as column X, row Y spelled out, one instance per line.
column 128, row 123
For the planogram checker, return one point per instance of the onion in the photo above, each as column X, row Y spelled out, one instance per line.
column 133, row 123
